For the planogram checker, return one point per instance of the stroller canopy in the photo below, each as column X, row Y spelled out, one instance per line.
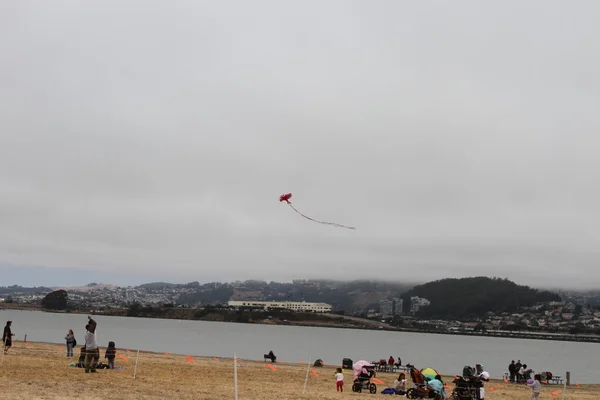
column 359, row 365
column 429, row 372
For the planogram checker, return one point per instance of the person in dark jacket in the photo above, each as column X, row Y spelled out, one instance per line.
column 512, row 371
column 110, row 354
column 81, row 361
column 71, row 343
column 518, row 366
column 7, row 336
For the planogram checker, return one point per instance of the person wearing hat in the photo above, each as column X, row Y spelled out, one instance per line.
column 7, row 337
column 484, row 376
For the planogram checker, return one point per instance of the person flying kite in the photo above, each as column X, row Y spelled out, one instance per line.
column 286, row 197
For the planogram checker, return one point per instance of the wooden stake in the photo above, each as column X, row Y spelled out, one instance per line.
column 136, row 363
column 235, row 375
column 306, row 379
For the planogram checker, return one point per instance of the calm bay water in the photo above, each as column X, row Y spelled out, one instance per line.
column 447, row 353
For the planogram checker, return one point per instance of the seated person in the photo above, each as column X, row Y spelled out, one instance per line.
column 437, row 385
column 525, row 373
column 81, row 360
column 398, row 362
column 400, row 384
column 271, row 356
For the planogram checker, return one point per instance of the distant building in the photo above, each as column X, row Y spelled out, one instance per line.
column 386, row 308
column 417, row 302
column 286, row 305
column 390, row 308
column 398, row 305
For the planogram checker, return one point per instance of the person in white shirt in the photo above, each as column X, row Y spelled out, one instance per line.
column 536, row 387
column 525, row 372
column 400, row 384
column 92, row 353
column 339, row 380
column 484, row 376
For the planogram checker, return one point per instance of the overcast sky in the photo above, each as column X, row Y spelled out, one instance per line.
column 150, row 140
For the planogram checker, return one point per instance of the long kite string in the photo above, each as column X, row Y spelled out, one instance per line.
column 321, row 222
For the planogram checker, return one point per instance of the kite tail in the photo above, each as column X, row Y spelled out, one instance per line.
column 321, row 222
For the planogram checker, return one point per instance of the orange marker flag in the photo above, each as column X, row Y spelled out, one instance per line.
column 377, row 381
column 167, row 354
column 505, row 380
column 190, row 359
column 301, row 361
column 122, row 357
column 314, row 373
column 577, row 384
column 216, row 358
column 272, row 367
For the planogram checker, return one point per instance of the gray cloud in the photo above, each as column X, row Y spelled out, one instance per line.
column 149, row 138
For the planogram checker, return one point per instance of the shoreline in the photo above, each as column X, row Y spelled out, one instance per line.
column 358, row 324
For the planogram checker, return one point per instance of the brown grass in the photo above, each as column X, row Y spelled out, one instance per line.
column 39, row 371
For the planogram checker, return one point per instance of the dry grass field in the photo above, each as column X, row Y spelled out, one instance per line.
column 39, row 371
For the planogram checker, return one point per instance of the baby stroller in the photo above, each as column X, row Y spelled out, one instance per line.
column 421, row 389
column 467, row 387
column 363, row 372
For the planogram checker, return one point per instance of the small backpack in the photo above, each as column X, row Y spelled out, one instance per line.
column 74, row 342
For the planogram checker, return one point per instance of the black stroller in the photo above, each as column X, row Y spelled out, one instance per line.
column 363, row 372
column 467, row 387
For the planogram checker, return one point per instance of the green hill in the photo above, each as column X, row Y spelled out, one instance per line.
column 472, row 297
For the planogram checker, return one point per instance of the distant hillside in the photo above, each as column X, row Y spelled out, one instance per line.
column 355, row 296
column 7, row 290
column 86, row 288
column 473, row 297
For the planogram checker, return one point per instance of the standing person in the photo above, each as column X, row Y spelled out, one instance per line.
column 536, row 387
column 339, row 380
column 7, row 336
column 512, row 371
column 484, row 376
column 92, row 354
column 391, row 363
column 518, row 366
column 110, row 354
column 71, row 343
